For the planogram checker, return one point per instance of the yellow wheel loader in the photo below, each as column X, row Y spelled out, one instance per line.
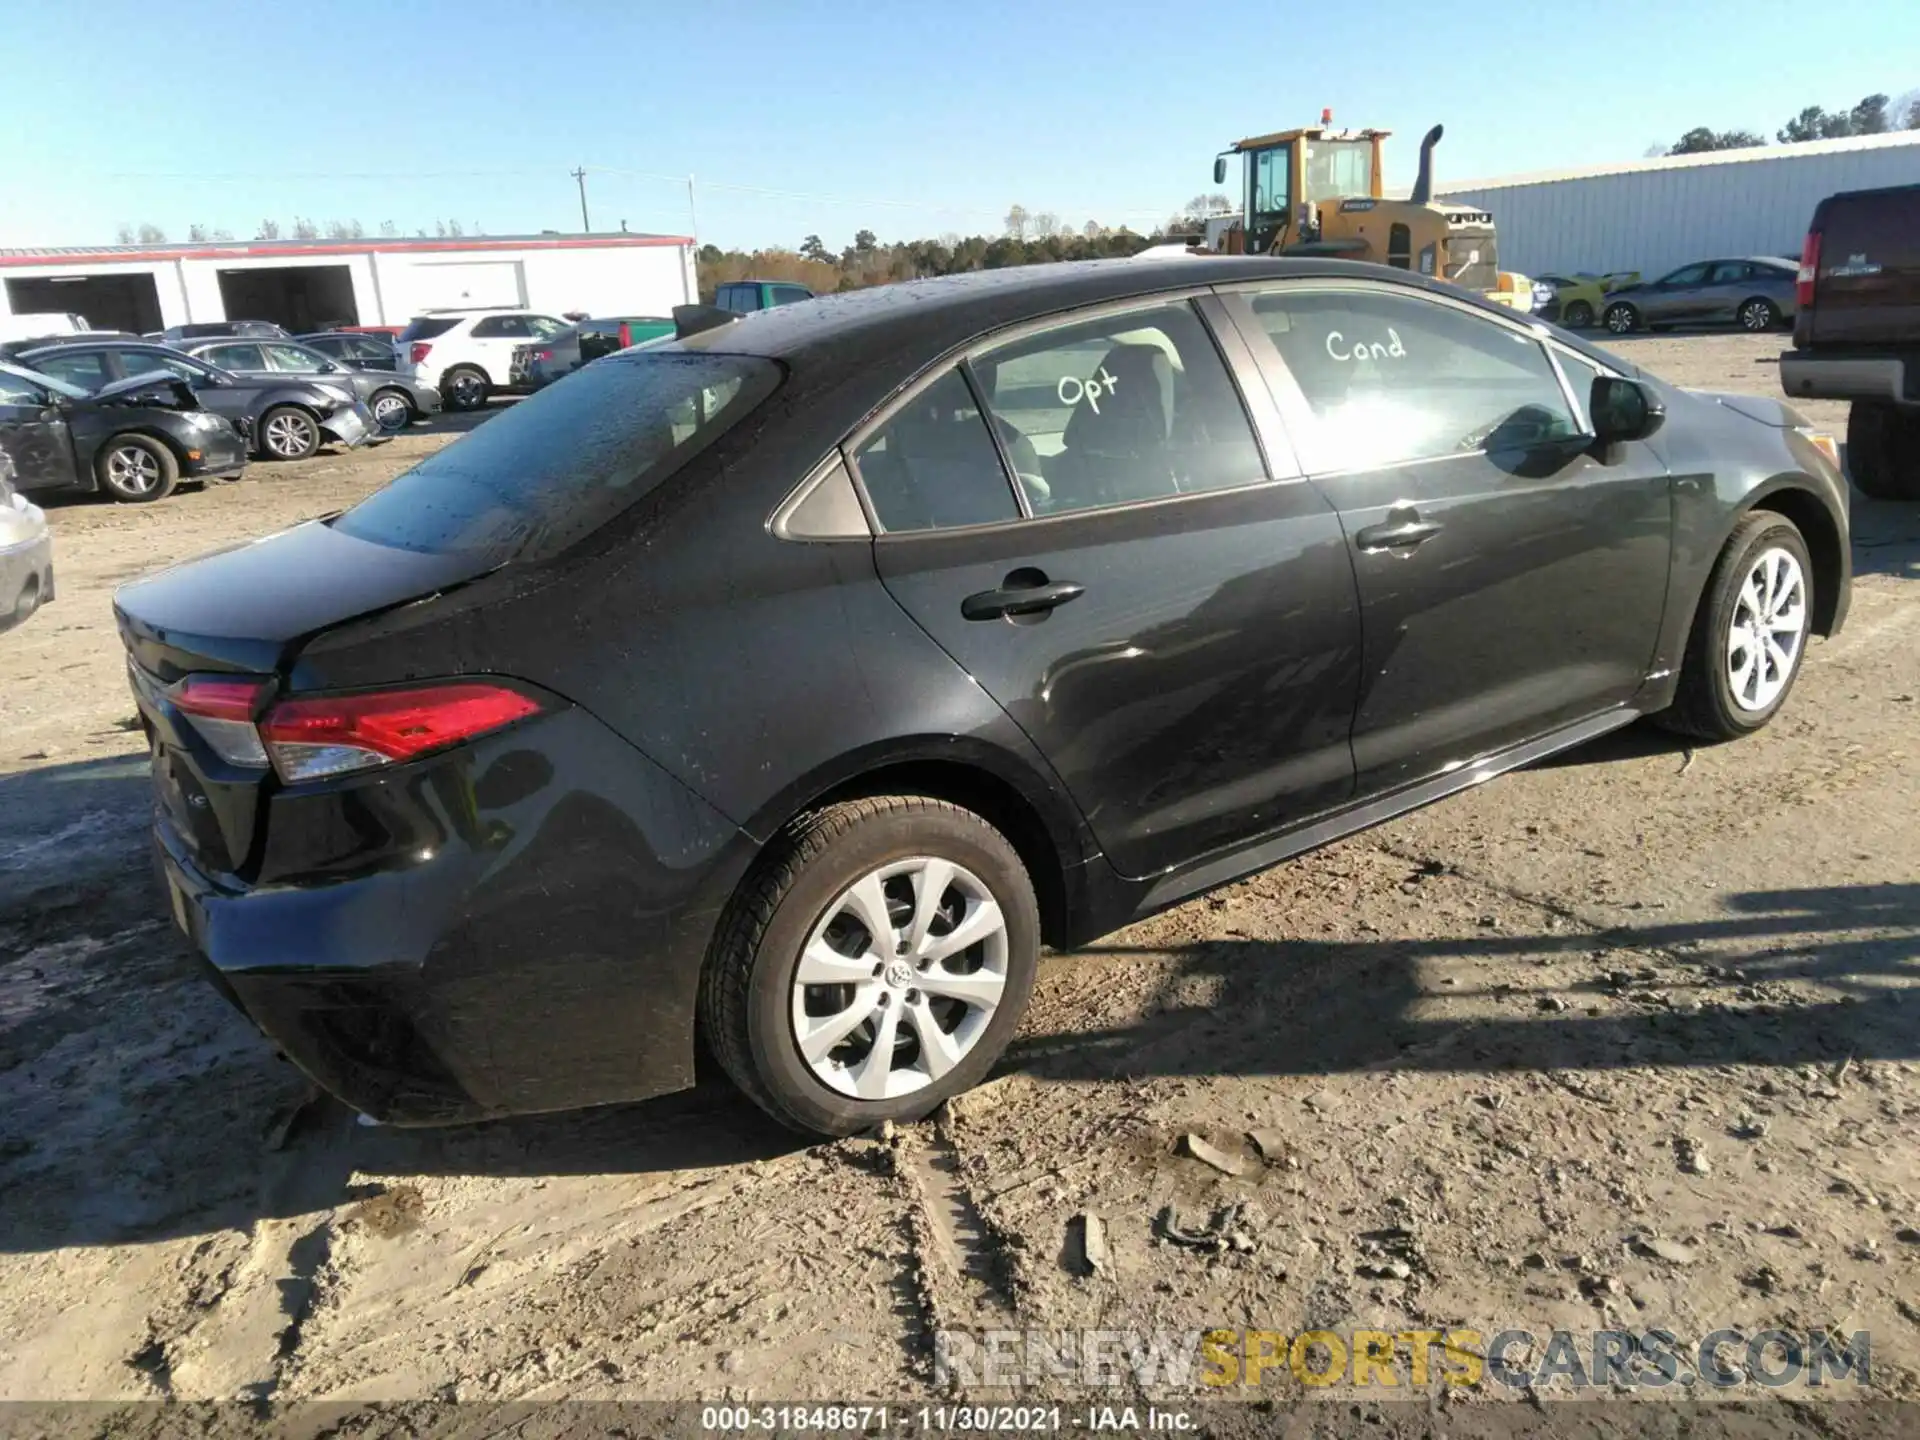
column 1317, row 191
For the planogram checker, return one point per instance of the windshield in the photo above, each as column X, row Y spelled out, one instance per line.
column 560, row 464
column 426, row 327
column 46, row 382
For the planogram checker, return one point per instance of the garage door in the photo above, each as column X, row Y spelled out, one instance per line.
column 458, row 284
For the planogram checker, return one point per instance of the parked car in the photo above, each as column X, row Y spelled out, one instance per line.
column 26, row 552
column 545, row 361
column 1756, row 294
column 355, row 350
column 135, row 439
column 796, row 679
column 745, row 296
column 395, row 400
column 284, row 417
column 468, row 354
column 1574, row 301
column 13, row 349
column 1857, row 334
column 215, row 329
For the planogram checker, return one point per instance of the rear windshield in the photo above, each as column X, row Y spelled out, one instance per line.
column 427, row 327
column 561, row 463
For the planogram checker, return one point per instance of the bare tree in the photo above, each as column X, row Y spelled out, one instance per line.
column 124, row 235
column 269, row 230
column 223, row 234
column 1046, row 224
column 388, row 229
column 453, row 228
column 344, row 230
column 1093, row 230
column 304, row 229
column 1017, row 222
column 196, row 233
column 151, row 234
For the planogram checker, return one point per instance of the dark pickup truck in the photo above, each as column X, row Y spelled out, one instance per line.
column 1857, row 334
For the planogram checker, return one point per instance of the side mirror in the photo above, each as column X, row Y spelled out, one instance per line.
column 1220, row 170
column 1623, row 410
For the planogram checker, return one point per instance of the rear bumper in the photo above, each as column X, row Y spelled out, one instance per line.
column 512, row 928
column 1811, row 375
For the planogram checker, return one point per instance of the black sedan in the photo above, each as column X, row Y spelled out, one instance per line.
column 795, row 680
column 396, row 401
column 286, row 417
column 134, row 439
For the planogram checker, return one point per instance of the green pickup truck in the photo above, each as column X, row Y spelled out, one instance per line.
column 745, row 296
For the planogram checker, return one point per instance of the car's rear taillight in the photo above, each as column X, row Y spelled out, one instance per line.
column 626, row 335
column 313, row 736
column 221, row 710
column 418, row 354
column 543, row 354
column 1809, row 270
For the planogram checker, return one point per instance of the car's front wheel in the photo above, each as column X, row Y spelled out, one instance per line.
column 1749, row 634
column 1758, row 314
column 136, row 469
column 874, row 964
column 1622, row 319
column 1883, row 450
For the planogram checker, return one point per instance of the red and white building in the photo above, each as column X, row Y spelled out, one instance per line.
column 311, row 284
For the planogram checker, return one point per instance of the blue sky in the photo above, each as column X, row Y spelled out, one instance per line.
column 909, row 119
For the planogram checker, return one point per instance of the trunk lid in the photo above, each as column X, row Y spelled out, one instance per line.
column 1867, row 288
column 245, row 611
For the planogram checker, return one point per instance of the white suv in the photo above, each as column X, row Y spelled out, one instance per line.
column 465, row 353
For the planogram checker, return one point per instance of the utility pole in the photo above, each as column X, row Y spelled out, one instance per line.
column 580, row 175
column 693, row 214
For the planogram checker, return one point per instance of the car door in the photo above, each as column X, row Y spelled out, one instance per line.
column 370, row 352
column 1679, row 297
column 241, row 357
column 1728, row 283
column 1157, row 599
column 1512, row 577
column 34, row 435
column 235, row 397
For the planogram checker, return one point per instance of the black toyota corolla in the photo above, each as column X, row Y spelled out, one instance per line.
column 791, row 683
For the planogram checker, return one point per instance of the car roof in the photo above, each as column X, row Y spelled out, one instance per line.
column 917, row 320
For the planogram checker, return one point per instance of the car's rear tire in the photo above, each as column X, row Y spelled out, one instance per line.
column 392, row 410
column 1577, row 316
column 1757, row 315
column 1750, row 632
column 1883, row 450
column 288, row 433
column 136, row 469
column 793, row 948
column 1622, row 319
column 465, row 387
column 26, row 602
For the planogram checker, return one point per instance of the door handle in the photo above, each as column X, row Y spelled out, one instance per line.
column 1016, row 599
column 1398, row 533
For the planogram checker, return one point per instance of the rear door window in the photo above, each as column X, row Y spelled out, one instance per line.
column 293, row 357
column 560, row 464
column 235, row 357
column 790, row 294
column 427, row 327
column 501, row 327
column 933, row 465
column 88, row 369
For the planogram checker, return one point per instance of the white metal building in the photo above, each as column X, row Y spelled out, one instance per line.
column 310, row 284
column 1656, row 215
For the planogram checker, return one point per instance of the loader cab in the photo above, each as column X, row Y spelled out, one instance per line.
column 1289, row 175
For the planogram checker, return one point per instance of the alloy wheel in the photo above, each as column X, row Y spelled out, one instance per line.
column 1768, row 627
column 290, row 435
column 1756, row 315
column 1620, row 320
column 391, row 411
column 899, row 978
column 134, row 470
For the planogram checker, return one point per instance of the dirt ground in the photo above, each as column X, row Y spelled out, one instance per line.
column 1627, row 1040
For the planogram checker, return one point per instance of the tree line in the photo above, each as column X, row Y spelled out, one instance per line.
column 1871, row 115
column 1026, row 238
